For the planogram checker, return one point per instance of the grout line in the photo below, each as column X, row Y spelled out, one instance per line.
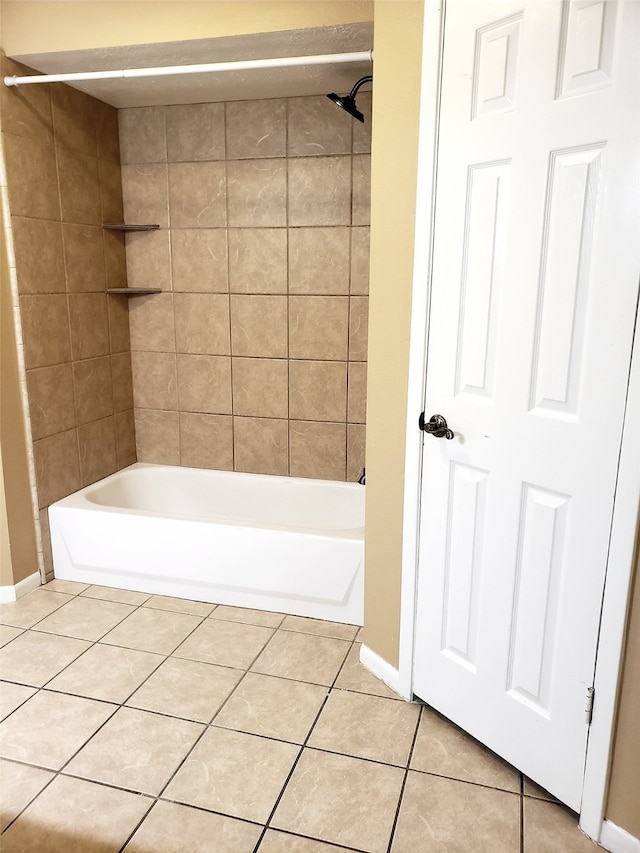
column 404, row 782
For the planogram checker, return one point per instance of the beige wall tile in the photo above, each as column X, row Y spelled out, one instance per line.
column 258, row 260
column 47, row 553
column 206, row 441
column 39, row 259
column 361, row 213
column 97, row 445
column 320, row 191
column 358, row 327
column 114, row 259
column 318, row 327
column 157, row 437
column 317, row 450
column 202, row 323
column 122, row 380
column 32, row 177
column 195, row 132
column 197, row 195
column 151, row 323
column 256, row 129
column 110, row 191
column 154, row 380
column 74, row 119
column 145, row 191
column 84, row 257
column 317, row 126
column 51, row 401
column 26, row 111
column 362, row 132
column 360, row 261
column 259, row 326
column 79, row 181
column 204, row 384
column 125, row 438
column 319, row 260
column 118, row 313
column 257, row 193
column 57, row 466
column 148, row 258
column 107, row 126
column 355, row 451
column 261, row 445
column 142, row 135
column 89, row 323
column 199, row 260
column 357, row 404
column 93, row 389
column 45, row 312
column 260, row 387
column 318, row 390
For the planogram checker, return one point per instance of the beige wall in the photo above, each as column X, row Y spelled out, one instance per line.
column 18, row 553
column 253, row 358
column 36, row 27
column 398, row 55
column 63, row 175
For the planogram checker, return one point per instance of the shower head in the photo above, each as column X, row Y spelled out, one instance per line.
column 348, row 102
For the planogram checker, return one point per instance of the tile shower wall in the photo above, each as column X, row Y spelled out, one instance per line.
column 253, row 357
column 62, row 160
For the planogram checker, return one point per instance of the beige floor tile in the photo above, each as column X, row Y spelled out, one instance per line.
column 179, row 605
column 136, row 750
column 366, row 727
column 225, row 643
column 74, row 816
column 12, row 696
column 445, row 750
column 341, row 800
column 30, row 609
column 449, row 816
column 550, row 827
column 530, row 789
column 19, row 784
column 122, row 596
column 354, row 676
column 188, row 689
column 173, row 828
column 273, row 707
column 34, row 658
column 50, row 727
column 302, row 657
column 320, row 627
column 152, row 630
column 85, row 618
column 68, row 587
column 104, row 672
column 7, row 633
column 234, row 773
column 250, row 617
column 281, row 842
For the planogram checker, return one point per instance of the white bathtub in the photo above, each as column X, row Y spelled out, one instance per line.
column 249, row 540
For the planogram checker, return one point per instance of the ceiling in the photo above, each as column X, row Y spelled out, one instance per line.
column 220, row 86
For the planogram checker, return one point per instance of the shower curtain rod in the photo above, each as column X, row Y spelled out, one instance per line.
column 171, row 70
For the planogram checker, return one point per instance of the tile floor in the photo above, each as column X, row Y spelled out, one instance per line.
column 145, row 724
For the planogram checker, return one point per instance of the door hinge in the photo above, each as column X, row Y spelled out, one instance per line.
column 588, row 711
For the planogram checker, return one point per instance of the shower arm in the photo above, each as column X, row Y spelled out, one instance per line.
column 206, row 68
column 361, row 82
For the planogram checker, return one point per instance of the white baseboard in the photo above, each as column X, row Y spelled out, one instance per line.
column 618, row 840
column 13, row 593
column 380, row 668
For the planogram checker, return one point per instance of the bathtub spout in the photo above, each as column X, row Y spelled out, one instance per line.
column 362, row 477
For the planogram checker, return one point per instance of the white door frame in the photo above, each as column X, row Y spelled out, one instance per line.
column 627, row 502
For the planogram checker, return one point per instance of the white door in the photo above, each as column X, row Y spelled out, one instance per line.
column 534, row 292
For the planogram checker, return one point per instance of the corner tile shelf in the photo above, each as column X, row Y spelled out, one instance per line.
column 120, row 226
column 131, row 291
